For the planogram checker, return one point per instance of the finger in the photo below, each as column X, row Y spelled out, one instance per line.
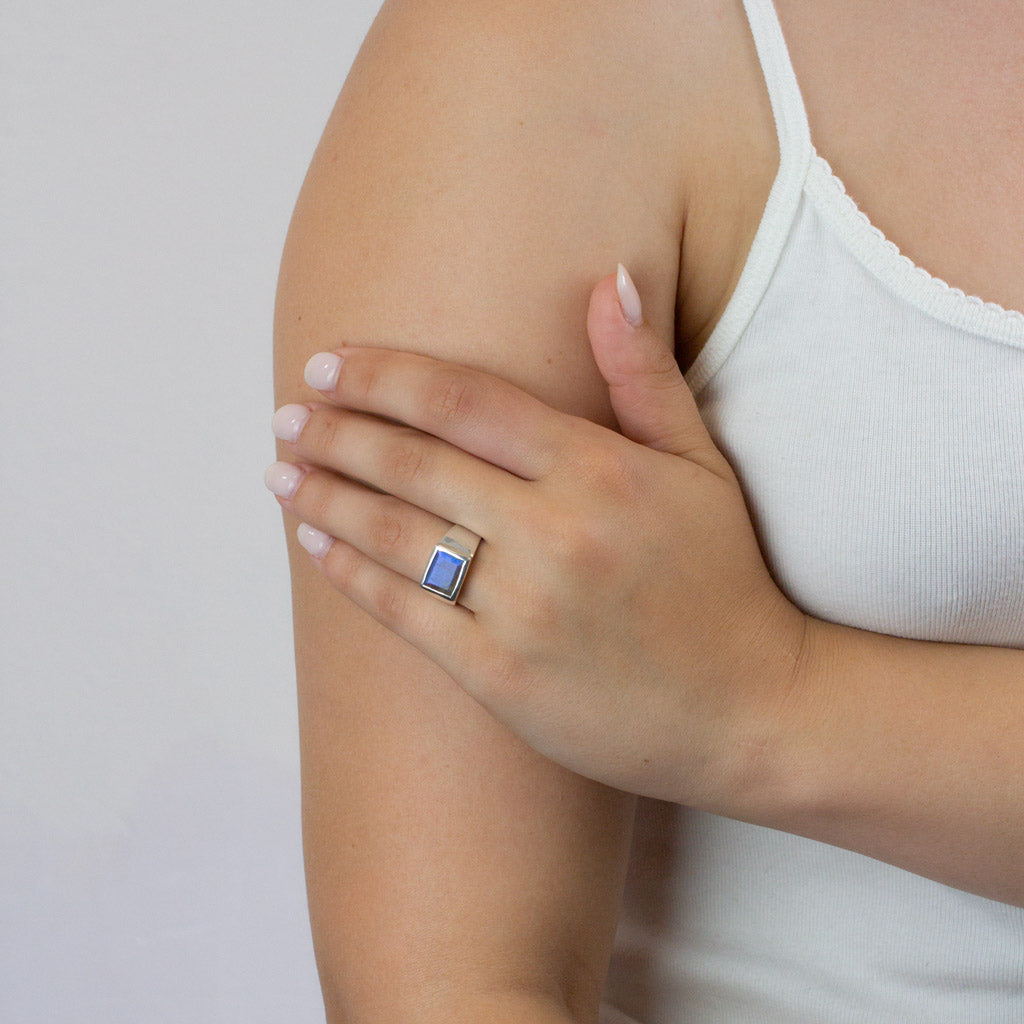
column 447, row 634
column 477, row 411
column 416, row 467
column 650, row 396
column 392, row 532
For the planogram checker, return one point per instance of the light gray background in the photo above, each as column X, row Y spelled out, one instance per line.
column 150, row 855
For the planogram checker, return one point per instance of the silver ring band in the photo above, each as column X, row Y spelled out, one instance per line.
column 448, row 564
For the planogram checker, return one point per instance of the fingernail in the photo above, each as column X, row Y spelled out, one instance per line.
column 629, row 297
column 322, row 371
column 315, row 541
column 283, row 478
column 288, row 421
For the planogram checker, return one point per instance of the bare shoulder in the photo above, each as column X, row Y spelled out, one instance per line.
column 657, row 103
column 626, row 114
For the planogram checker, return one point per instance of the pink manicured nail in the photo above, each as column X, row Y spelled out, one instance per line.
column 629, row 297
column 322, row 371
column 315, row 541
column 283, row 478
column 288, row 422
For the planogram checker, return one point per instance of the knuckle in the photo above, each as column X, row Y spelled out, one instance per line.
column 594, row 550
column 582, row 546
column 316, row 498
column 559, row 534
column 384, row 531
column 665, row 373
column 342, row 567
column 324, row 439
column 404, row 460
column 449, row 398
column 361, row 380
column 538, row 601
column 541, row 612
column 610, row 471
column 387, row 602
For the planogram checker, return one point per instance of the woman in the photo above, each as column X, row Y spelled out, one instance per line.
column 734, row 607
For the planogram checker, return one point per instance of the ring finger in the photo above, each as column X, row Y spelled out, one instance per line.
column 389, row 530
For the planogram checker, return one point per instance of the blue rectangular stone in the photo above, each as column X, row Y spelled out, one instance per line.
column 443, row 571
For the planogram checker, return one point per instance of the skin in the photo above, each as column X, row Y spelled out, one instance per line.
column 563, row 632
column 446, row 860
column 749, row 708
column 875, row 83
column 490, row 830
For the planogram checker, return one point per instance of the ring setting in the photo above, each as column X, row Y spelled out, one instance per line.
column 446, row 570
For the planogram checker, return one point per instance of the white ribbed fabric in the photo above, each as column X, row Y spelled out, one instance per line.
column 875, row 417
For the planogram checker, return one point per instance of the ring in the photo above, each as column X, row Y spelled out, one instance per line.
column 446, row 571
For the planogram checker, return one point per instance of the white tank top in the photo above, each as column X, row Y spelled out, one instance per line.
column 875, row 418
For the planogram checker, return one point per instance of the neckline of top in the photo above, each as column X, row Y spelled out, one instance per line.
column 884, row 258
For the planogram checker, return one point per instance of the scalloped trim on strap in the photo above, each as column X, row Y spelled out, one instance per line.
column 898, row 272
column 802, row 170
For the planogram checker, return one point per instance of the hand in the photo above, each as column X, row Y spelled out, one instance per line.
column 618, row 615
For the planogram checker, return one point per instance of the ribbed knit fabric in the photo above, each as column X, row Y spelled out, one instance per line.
column 875, row 418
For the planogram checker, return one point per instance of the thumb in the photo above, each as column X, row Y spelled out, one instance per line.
column 651, row 399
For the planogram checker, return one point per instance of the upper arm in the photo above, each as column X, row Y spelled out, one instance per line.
column 483, row 167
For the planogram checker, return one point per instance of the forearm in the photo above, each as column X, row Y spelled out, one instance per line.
column 908, row 751
column 496, row 1007
column 515, row 1007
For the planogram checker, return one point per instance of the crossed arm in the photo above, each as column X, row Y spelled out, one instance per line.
column 453, row 871
column 905, row 750
column 909, row 751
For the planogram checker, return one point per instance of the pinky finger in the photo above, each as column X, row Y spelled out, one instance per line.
column 447, row 634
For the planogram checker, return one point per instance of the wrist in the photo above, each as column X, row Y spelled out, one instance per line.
column 774, row 688
column 796, row 753
column 516, row 1007
column 782, row 781
column 899, row 749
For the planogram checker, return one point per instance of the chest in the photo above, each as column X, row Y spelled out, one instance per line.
column 881, row 468
column 919, row 109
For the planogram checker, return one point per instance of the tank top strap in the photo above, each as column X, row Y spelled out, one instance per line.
column 783, row 90
column 795, row 152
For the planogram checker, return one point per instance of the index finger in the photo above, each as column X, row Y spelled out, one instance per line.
column 474, row 410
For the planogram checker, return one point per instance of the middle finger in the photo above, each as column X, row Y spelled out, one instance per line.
column 400, row 460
